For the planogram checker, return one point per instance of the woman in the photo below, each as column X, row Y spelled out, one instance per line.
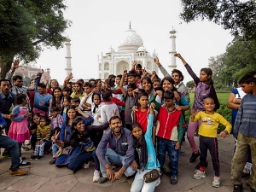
column 145, row 156
column 204, row 89
column 57, row 99
column 53, row 84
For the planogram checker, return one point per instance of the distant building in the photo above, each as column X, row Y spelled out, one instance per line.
column 131, row 48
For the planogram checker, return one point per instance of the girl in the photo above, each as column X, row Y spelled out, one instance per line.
column 204, row 89
column 66, row 104
column 145, row 155
column 147, row 86
column 43, row 134
column 19, row 127
column 33, row 128
column 57, row 99
column 109, row 108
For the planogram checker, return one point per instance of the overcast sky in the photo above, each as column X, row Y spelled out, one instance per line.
column 99, row 24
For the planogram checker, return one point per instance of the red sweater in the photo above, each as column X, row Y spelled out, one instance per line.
column 168, row 124
column 142, row 119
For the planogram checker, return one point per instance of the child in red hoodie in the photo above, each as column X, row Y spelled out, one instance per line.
column 169, row 134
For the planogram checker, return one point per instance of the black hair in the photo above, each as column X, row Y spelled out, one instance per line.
column 251, row 73
column 16, row 77
column 69, row 108
column 119, row 76
column 142, row 93
column 67, row 90
column 138, row 66
column 68, row 98
column 170, row 80
column 92, row 80
column 47, row 120
column 79, row 83
column 168, row 95
column 132, row 86
column 156, row 80
column 87, row 84
column 208, row 72
column 54, row 80
column 2, row 80
column 76, row 121
column 107, row 95
column 179, row 72
column 96, row 94
column 247, row 79
column 20, row 98
column 146, row 78
column 111, row 76
column 43, row 86
column 54, row 101
column 55, row 109
column 134, row 125
column 76, row 100
column 114, row 117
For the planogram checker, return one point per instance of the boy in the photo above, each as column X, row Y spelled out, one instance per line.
column 169, row 134
column 208, row 138
column 245, row 133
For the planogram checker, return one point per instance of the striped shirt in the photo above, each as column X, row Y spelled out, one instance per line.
column 245, row 120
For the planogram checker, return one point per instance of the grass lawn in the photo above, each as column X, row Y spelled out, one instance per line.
column 223, row 97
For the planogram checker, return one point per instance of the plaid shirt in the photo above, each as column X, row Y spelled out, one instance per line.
column 56, row 121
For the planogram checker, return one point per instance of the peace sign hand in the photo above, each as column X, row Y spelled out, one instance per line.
column 55, row 136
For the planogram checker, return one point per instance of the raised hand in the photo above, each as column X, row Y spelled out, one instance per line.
column 134, row 63
column 156, row 60
column 15, row 64
column 55, row 136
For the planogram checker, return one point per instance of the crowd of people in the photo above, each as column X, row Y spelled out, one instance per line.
column 126, row 124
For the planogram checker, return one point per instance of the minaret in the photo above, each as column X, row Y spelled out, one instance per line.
column 68, row 57
column 173, row 50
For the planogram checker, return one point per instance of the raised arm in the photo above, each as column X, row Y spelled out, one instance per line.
column 10, row 73
column 189, row 69
column 122, row 82
column 162, row 69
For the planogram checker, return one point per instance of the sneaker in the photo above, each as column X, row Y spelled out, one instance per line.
column 199, row 174
column 194, row 157
column 238, row 188
column 103, row 180
column 174, row 180
column 216, row 182
column 52, row 161
column 19, row 172
column 96, row 176
column 87, row 165
column 24, row 163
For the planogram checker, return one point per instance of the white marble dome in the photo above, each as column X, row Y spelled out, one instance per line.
column 142, row 49
column 130, row 40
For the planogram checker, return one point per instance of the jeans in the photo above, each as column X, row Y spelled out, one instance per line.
column 77, row 162
column 112, row 157
column 192, row 126
column 138, row 184
column 164, row 145
column 12, row 146
column 55, row 149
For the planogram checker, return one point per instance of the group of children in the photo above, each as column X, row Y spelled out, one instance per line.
column 167, row 118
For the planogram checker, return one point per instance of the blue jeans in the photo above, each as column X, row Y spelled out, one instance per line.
column 77, row 162
column 13, row 147
column 164, row 145
column 112, row 157
column 55, row 149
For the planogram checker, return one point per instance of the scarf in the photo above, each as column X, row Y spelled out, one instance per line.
column 143, row 155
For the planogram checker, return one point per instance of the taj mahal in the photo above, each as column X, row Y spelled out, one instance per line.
column 130, row 48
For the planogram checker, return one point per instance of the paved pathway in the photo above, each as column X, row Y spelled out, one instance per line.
column 48, row 178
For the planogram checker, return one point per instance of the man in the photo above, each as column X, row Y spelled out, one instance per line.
column 86, row 101
column 92, row 82
column 119, row 152
column 42, row 98
column 13, row 147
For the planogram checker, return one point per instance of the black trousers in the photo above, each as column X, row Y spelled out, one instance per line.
column 211, row 144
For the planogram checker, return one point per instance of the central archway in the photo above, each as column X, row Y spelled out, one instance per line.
column 121, row 66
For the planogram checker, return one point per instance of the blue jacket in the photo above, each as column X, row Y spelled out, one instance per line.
column 2, row 121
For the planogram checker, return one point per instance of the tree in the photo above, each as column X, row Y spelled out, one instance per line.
column 237, row 16
column 27, row 26
column 190, row 84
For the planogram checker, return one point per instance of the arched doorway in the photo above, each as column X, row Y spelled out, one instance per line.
column 121, row 67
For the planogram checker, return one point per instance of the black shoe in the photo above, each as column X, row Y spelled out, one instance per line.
column 33, row 157
column 103, row 180
column 24, row 163
column 39, row 157
column 194, row 157
column 238, row 188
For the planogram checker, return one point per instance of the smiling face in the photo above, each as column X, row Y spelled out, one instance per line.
column 57, row 93
column 36, row 119
column 167, row 85
column 71, row 113
column 176, row 78
column 54, row 84
column 146, row 85
column 115, row 125
column 209, row 105
column 80, row 126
